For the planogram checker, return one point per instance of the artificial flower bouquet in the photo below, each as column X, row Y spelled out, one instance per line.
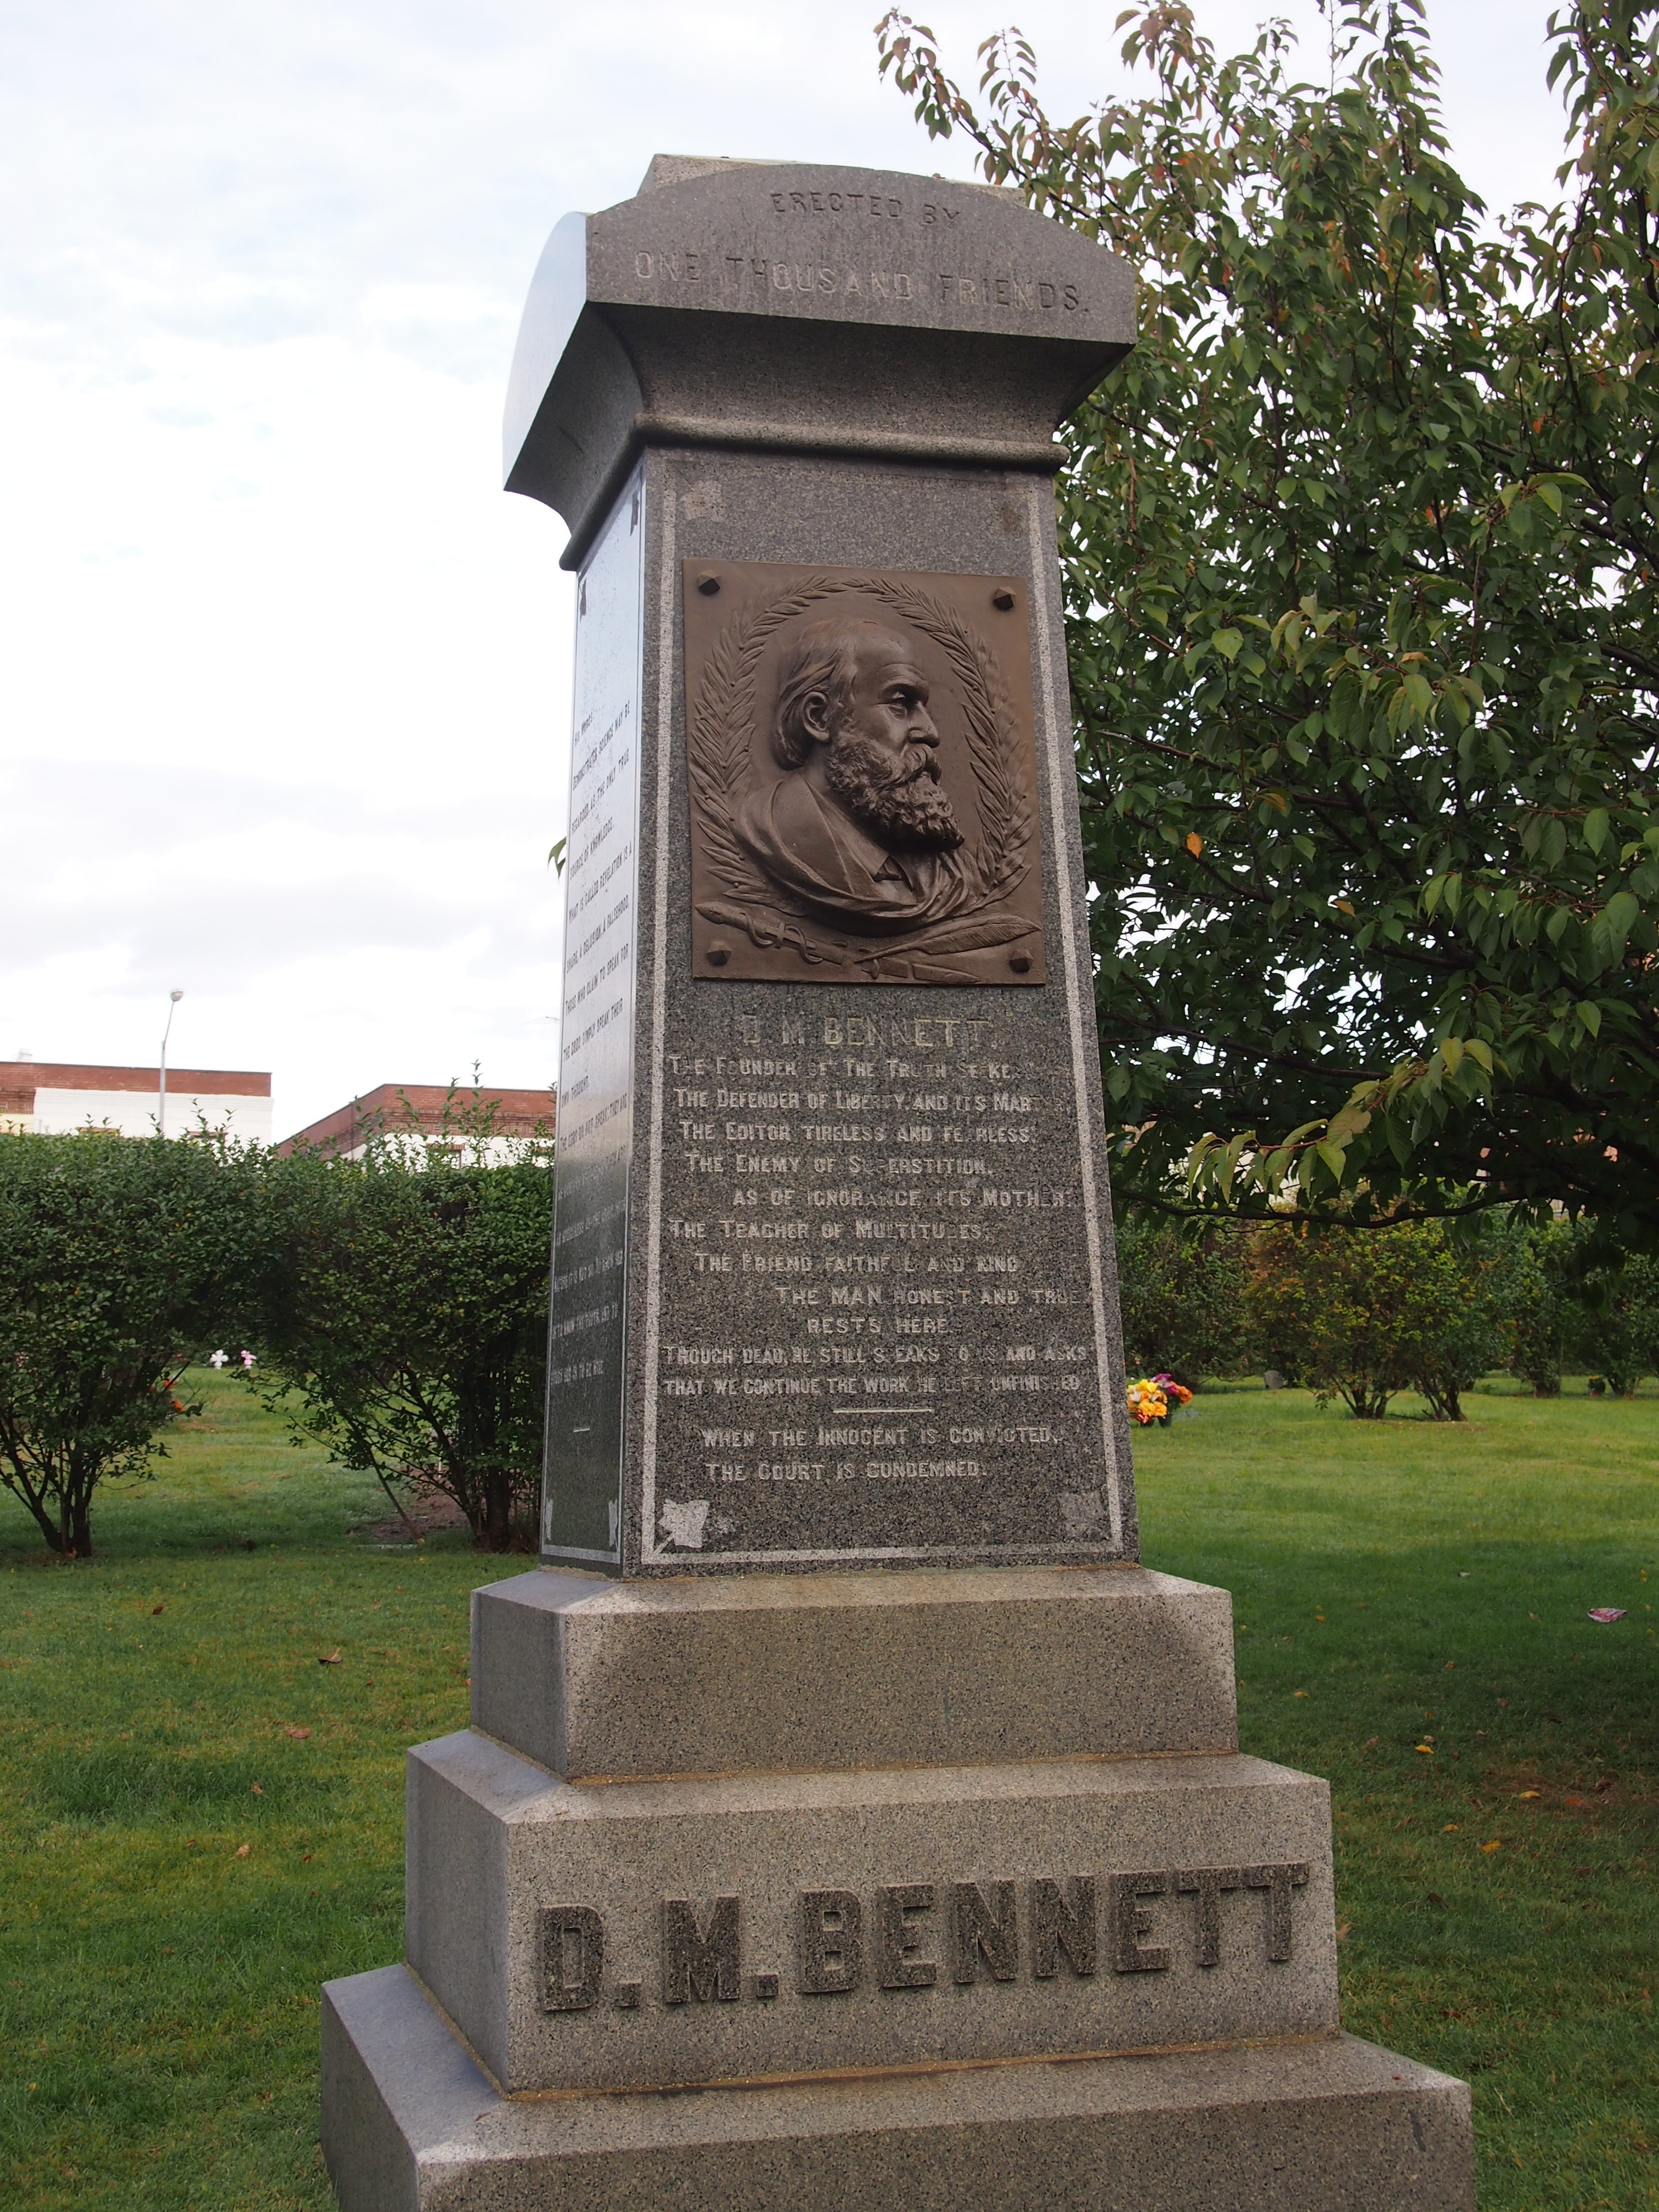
column 1157, row 1398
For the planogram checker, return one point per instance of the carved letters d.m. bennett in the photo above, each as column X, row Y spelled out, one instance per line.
column 997, row 1931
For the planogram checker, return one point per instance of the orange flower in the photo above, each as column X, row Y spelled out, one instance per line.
column 1147, row 1402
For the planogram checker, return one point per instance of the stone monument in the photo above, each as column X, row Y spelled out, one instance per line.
column 847, row 1818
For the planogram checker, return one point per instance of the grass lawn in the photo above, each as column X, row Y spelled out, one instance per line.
column 1398, row 1585
column 201, row 1823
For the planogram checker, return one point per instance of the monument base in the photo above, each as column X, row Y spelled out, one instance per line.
column 412, row 2123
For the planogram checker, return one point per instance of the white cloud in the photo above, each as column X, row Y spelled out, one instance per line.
column 285, row 681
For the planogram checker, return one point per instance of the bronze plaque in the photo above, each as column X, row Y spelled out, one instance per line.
column 862, row 775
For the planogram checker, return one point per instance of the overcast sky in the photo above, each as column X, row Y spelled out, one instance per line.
column 284, row 677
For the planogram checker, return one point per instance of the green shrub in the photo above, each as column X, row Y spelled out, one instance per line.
column 1539, row 1304
column 405, row 1318
column 1612, row 1323
column 1181, row 1295
column 1361, row 1315
column 120, row 1258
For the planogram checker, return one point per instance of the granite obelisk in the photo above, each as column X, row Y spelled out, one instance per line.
column 841, row 1762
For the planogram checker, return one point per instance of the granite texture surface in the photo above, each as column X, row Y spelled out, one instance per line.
column 681, row 1932
column 858, row 1305
column 800, row 307
column 833, row 1280
column 747, row 1673
column 410, row 2124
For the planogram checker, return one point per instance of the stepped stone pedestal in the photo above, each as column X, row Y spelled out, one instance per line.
column 847, row 1817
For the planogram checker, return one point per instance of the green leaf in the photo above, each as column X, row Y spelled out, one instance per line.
column 1338, row 432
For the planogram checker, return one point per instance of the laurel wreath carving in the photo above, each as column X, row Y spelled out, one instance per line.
column 721, row 767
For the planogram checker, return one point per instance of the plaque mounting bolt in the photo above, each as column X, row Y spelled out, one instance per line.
column 708, row 585
column 1020, row 963
column 718, row 954
column 1002, row 598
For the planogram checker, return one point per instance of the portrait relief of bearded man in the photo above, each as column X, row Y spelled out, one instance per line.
column 858, row 828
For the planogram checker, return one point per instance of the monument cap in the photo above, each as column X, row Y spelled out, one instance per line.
column 909, row 319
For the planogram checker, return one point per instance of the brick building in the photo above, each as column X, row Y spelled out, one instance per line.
column 417, row 1110
column 57, row 1097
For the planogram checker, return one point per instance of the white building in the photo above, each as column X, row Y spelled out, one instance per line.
column 419, row 1118
column 57, row 1098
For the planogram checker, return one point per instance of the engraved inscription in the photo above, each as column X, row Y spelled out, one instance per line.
column 700, row 1961
column 1207, row 1885
column 1131, row 1922
column 984, row 1931
column 862, row 778
column 1062, row 1929
column 880, row 206
column 840, row 269
column 581, row 1488
column 997, row 1931
column 899, row 1963
column 875, row 1315
column 573, row 1957
column 831, row 1943
column 1279, row 1882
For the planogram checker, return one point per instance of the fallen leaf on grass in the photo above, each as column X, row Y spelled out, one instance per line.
column 1427, row 1749
column 154, row 1609
column 1298, row 1693
column 1344, row 1931
column 1450, row 1828
column 332, row 1660
column 258, row 1791
column 1496, row 1844
column 1596, row 1612
column 243, row 1850
column 299, row 1735
column 1368, row 1743
column 1528, row 1793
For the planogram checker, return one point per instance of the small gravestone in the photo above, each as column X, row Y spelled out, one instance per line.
column 840, row 1760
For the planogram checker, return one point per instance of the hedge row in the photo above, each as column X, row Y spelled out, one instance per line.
column 1362, row 1314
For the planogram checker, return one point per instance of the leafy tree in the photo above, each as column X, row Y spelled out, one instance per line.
column 1362, row 1317
column 405, row 1313
column 120, row 1259
column 1359, row 548
column 1182, row 1298
column 1539, row 1304
column 1611, row 1328
column 1472, row 1285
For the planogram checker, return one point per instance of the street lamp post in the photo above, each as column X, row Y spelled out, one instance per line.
column 173, row 998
